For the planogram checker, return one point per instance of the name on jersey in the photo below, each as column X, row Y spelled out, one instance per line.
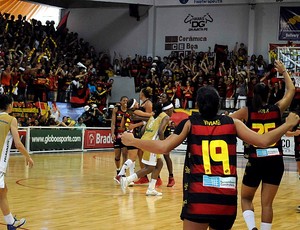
column 263, row 110
column 212, row 123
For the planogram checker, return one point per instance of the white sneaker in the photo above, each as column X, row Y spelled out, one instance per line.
column 153, row 193
column 124, row 184
column 298, row 208
column 117, row 179
column 131, row 184
column 16, row 224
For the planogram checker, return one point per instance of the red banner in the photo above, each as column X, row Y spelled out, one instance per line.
column 97, row 138
column 22, row 134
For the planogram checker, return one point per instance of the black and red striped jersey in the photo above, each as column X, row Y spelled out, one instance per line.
column 210, row 175
column 262, row 121
column 119, row 128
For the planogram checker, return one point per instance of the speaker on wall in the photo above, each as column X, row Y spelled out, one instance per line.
column 134, row 11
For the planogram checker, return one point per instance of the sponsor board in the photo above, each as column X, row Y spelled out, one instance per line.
column 97, row 138
column 55, row 139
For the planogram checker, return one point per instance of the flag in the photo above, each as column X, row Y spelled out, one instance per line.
column 63, row 23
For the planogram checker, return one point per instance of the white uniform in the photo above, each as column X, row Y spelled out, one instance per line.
column 6, row 140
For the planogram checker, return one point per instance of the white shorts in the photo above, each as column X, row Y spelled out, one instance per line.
column 150, row 158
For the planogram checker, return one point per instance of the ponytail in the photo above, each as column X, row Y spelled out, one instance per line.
column 260, row 96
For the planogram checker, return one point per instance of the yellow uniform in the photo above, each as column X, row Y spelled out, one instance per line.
column 151, row 133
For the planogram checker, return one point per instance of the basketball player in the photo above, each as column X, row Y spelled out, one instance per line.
column 131, row 125
column 210, row 175
column 265, row 165
column 8, row 134
column 116, row 130
column 145, row 106
column 154, row 129
column 163, row 98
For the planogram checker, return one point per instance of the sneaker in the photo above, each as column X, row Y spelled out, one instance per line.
column 153, row 192
column 117, row 179
column 124, row 184
column 131, row 184
column 158, row 182
column 142, row 180
column 298, row 208
column 171, row 182
column 16, row 224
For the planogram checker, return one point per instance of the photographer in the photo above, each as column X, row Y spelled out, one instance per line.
column 97, row 116
column 92, row 116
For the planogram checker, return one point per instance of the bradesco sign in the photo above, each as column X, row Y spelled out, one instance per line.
column 97, row 139
column 55, row 139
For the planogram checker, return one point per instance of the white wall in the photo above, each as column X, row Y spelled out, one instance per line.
column 267, row 26
column 111, row 28
column 224, row 30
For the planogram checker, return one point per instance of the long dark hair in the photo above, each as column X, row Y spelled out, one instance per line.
column 147, row 92
column 208, row 100
column 157, row 109
column 5, row 101
column 260, row 96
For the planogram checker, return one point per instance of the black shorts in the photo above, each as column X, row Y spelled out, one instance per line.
column 267, row 170
column 131, row 147
column 118, row 144
column 297, row 155
column 218, row 223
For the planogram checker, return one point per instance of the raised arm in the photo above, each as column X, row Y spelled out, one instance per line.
column 268, row 138
column 157, row 146
column 285, row 102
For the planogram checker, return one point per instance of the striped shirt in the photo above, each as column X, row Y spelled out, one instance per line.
column 210, row 176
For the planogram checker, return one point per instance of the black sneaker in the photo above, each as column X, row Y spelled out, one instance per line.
column 16, row 224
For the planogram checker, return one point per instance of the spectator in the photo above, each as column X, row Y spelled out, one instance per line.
column 80, row 123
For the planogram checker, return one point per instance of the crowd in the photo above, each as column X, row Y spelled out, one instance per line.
column 41, row 63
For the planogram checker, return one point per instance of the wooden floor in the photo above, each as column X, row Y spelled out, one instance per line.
column 77, row 191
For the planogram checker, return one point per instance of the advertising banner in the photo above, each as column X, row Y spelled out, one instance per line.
column 289, row 24
column 55, row 139
column 97, row 138
column 22, row 134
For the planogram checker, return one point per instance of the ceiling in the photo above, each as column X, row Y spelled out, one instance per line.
column 77, row 3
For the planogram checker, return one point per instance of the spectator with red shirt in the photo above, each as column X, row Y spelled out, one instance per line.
column 6, row 78
column 230, row 91
column 52, row 86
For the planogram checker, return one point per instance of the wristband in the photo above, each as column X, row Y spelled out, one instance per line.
column 283, row 72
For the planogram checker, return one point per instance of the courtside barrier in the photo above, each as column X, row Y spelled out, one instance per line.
column 39, row 139
column 65, row 139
